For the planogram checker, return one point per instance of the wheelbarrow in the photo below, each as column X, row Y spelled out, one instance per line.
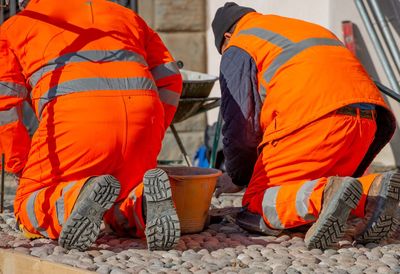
column 194, row 100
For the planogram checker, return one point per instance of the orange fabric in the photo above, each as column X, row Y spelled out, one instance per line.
column 334, row 145
column 294, row 93
column 71, row 146
column 56, row 32
column 14, row 138
column 14, row 143
column 109, row 129
column 45, row 208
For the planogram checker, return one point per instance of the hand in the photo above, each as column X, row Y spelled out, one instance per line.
column 225, row 185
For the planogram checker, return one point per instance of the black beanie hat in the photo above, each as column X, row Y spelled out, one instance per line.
column 225, row 18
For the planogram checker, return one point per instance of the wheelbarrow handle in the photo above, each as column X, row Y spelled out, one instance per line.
column 206, row 107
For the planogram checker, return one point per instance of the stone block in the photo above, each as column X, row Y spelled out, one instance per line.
column 189, row 47
column 170, row 149
column 179, row 15
column 146, row 11
column 195, row 123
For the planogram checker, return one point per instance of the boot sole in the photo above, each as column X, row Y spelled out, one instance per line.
column 329, row 228
column 83, row 225
column 254, row 223
column 162, row 222
column 383, row 222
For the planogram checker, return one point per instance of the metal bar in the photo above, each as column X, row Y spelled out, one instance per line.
column 180, row 145
column 134, row 6
column 3, row 160
column 387, row 33
column 208, row 106
column 378, row 45
column 13, row 7
column 217, row 134
column 387, row 91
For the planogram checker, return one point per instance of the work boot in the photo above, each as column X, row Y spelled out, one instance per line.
column 382, row 208
column 83, row 225
column 341, row 195
column 254, row 223
column 162, row 222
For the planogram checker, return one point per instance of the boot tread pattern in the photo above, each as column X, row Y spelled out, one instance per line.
column 162, row 224
column 330, row 232
column 385, row 224
column 394, row 187
column 352, row 195
column 83, row 226
column 330, row 227
column 157, row 187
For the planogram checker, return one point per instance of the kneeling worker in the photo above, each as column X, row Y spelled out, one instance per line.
column 105, row 89
column 303, row 121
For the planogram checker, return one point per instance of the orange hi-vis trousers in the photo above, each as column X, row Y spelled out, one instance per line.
column 290, row 174
column 86, row 134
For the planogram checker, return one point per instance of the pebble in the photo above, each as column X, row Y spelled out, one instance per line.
column 104, row 269
column 221, row 248
column 23, row 243
column 118, row 271
column 22, row 250
column 202, row 271
column 384, row 269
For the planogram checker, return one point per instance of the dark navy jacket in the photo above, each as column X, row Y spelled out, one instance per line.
column 240, row 109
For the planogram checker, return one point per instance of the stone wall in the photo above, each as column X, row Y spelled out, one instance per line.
column 181, row 24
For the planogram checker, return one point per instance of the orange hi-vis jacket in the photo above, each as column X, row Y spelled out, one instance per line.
column 48, row 50
column 304, row 73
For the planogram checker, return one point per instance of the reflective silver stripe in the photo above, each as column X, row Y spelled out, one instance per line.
column 295, row 49
column 90, row 84
column 169, row 97
column 92, row 56
column 289, row 48
column 60, row 204
column 303, row 200
column 165, row 70
column 271, row 37
column 9, row 116
column 30, row 209
column 263, row 92
column 13, row 89
column 269, row 207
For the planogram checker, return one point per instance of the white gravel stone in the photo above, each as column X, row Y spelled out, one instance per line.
column 202, row 271
column 22, row 250
column 221, row 248
column 22, row 243
column 104, row 269
column 118, row 271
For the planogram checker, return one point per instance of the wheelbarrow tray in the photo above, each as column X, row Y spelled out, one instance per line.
column 196, row 88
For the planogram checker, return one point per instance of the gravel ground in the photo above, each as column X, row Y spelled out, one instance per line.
column 221, row 248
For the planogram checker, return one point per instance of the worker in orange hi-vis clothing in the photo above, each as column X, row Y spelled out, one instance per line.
column 303, row 121
column 104, row 88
